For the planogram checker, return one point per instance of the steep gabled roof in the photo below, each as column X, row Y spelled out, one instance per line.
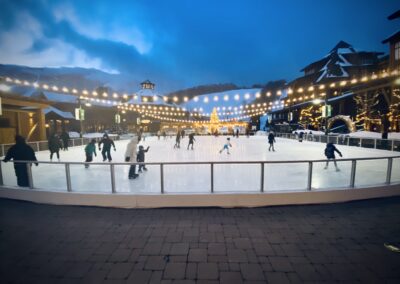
column 342, row 47
column 395, row 15
column 339, row 62
column 63, row 114
column 394, row 36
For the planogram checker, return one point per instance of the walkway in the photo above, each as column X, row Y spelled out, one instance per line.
column 323, row 243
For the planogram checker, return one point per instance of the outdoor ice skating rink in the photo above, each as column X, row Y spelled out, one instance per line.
column 227, row 177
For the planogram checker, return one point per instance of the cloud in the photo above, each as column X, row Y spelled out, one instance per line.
column 98, row 29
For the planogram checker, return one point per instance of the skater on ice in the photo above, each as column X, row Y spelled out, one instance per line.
column 226, row 146
column 90, row 149
column 330, row 155
column 23, row 152
column 65, row 139
column 130, row 156
column 54, row 146
column 141, row 157
column 107, row 143
column 301, row 136
column 178, row 140
column 271, row 141
column 191, row 140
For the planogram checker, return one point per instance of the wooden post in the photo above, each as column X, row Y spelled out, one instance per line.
column 41, row 124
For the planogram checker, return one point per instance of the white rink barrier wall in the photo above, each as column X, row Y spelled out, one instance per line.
column 305, row 192
column 365, row 142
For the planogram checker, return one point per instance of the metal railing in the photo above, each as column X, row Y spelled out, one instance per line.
column 373, row 143
column 310, row 171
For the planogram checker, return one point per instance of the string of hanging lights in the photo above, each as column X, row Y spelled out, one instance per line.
column 119, row 96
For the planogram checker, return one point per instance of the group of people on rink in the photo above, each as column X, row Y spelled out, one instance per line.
column 132, row 154
column 329, row 151
column 180, row 135
column 21, row 151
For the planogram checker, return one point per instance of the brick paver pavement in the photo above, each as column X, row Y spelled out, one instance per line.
column 320, row 243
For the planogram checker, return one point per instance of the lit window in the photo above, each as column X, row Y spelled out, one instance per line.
column 397, row 51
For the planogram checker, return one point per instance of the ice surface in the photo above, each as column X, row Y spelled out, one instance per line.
column 227, row 177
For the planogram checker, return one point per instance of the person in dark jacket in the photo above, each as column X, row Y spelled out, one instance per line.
column 65, row 139
column 178, row 140
column 21, row 152
column 141, row 157
column 54, row 146
column 90, row 149
column 301, row 135
column 191, row 140
column 330, row 155
column 271, row 141
column 107, row 143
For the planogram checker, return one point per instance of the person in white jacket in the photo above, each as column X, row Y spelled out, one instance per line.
column 130, row 156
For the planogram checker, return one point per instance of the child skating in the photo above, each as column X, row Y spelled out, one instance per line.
column 90, row 149
column 141, row 158
column 330, row 155
column 226, row 146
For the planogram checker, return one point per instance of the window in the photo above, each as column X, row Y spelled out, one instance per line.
column 309, row 71
column 397, row 51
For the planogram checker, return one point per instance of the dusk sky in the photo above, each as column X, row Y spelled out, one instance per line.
column 180, row 44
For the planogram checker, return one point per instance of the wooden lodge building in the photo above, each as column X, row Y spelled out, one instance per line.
column 346, row 80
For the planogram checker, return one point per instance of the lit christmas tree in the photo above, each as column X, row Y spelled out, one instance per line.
column 214, row 119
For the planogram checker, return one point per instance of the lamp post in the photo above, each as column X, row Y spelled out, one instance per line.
column 80, row 114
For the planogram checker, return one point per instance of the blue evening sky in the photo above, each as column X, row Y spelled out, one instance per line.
column 186, row 43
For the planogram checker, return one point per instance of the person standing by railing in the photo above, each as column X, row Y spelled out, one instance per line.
column 130, row 156
column 330, row 155
column 21, row 152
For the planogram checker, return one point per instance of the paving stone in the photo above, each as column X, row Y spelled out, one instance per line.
column 120, row 255
column 230, row 278
column 243, row 243
column 175, row 271
column 277, row 278
column 155, row 263
column 179, row 249
column 280, row 264
column 251, row 272
column 156, row 277
column 139, row 277
column 186, row 281
column 237, row 255
column 120, row 270
column 216, row 249
column 207, row 271
column 197, row 255
column 152, row 249
column 191, row 271
column 312, row 244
